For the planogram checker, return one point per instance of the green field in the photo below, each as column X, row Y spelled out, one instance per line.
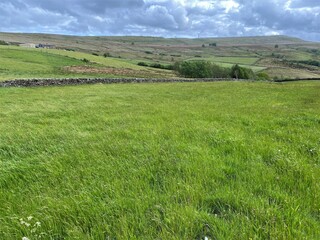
column 226, row 160
column 233, row 60
column 258, row 53
column 19, row 62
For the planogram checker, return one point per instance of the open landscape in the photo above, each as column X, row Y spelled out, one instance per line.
column 227, row 159
column 279, row 57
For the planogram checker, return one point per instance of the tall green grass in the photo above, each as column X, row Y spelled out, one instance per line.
column 161, row 161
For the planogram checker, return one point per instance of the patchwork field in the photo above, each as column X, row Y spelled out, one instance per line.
column 278, row 56
column 225, row 160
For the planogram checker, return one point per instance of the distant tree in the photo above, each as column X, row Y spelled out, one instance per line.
column 212, row 44
column 85, row 60
column 3, row 42
column 201, row 69
column 263, row 76
column 203, row 45
column 132, row 43
column 143, row 64
column 235, row 71
column 241, row 72
column 107, row 55
column 276, row 46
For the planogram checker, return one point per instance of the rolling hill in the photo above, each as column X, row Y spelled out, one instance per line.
column 278, row 56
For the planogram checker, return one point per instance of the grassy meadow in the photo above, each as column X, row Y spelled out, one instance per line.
column 19, row 63
column 224, row 160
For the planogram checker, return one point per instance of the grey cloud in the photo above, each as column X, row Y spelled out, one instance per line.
column 275, row 15
column 162, row 17
column 305, row 3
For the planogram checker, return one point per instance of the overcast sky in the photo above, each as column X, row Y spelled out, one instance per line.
column 167, row 18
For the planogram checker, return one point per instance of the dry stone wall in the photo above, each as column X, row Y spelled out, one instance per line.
column 79, row 81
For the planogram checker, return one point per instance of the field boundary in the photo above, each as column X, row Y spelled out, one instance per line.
column 81, row 81
column 296, row 80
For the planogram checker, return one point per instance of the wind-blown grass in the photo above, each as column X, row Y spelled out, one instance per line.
column 168, row 161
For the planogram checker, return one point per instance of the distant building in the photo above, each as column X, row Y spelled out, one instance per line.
column 50, row 46
column 28, row 45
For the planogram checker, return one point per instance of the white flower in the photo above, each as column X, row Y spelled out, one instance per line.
column 37, row 224
column 29, row 218
column 25, row 238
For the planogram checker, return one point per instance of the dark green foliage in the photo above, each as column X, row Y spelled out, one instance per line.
column 3, row 43
column 212, row 44
column 107, row 55
column 195, row 69
column 241, row 72
column 143, row 64
column 201, row 69
column 262, row 76
column 309, row 62
column 206, row 69
column 276, row 46
column 156, row 65
column 95, row 54
column 85, row 60
column 314, row 51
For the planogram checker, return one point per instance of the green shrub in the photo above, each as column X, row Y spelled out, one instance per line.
column 262, row 76
column 156, row 65
column 241, row 72
column 107, row 55
column 143, row 64
column 3, row 42
column 201, row 69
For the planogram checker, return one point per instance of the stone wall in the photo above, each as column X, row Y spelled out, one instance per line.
column 79, row 81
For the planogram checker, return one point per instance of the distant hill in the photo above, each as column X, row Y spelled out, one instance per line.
column 280, row 56
column 62, row 40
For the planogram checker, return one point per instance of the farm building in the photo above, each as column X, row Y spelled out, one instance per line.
column 40, row 45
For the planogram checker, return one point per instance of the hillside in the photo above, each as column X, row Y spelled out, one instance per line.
column 279, row 56
column 19, row 62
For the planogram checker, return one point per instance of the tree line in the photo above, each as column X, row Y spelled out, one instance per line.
column 206, row 69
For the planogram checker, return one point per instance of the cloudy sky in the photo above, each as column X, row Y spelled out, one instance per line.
column 167, row 18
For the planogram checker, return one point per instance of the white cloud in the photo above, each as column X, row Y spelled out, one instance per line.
column 164, row 17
